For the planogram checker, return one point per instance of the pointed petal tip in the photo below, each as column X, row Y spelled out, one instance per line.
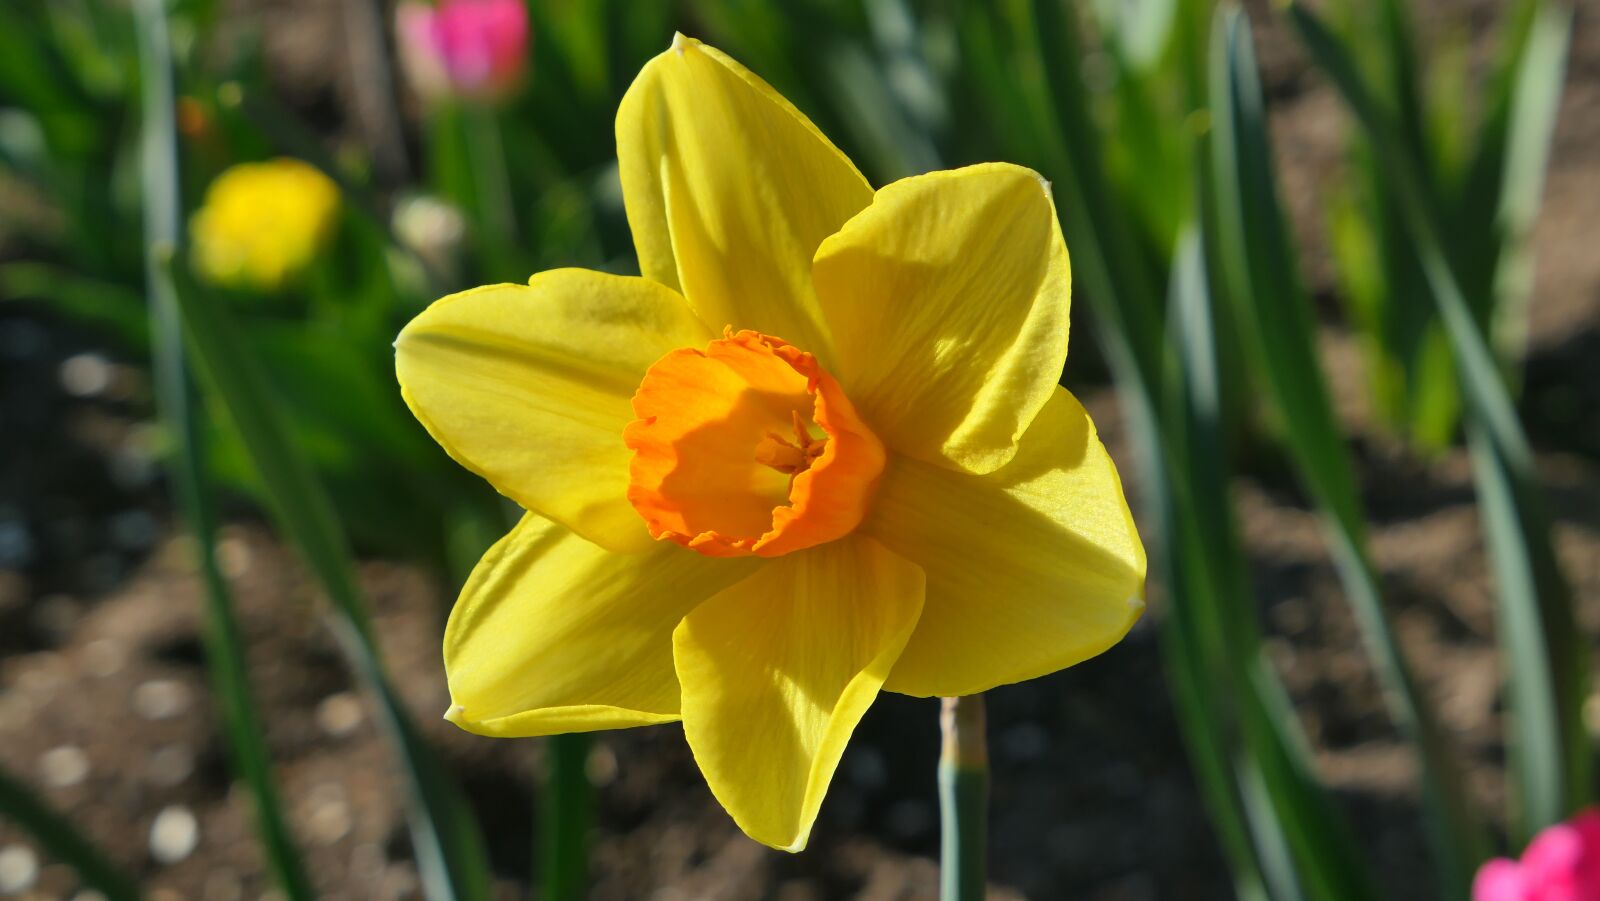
column 456, row 714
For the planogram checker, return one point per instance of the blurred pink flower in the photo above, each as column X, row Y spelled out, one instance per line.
column 469, row 48
column 1562, row 863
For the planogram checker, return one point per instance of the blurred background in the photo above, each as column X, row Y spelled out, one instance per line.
column 1336, row 315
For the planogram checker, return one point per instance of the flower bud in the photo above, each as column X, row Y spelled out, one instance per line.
column 475, row 49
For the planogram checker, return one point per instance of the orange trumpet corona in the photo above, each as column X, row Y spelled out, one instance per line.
column 748, row 447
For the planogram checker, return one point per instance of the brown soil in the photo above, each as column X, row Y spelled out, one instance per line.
column 103, row 696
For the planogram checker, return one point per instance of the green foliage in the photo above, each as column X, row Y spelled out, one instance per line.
column 1148, row 119
column 1273, row 313
column 1548, row 670
column 1483, row 184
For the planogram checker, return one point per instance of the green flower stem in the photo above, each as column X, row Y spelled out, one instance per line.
column 963, row 800
column 491, row 177
column 565, row 815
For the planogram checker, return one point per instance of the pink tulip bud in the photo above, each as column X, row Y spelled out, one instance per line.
column 1562, row 863
column 468, row 48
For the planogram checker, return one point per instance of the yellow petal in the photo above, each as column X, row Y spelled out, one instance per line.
column 555, row 634
column 729, row 191
column 529, row 386
column 1030, row 569
column 778, row 669
column 947, row 300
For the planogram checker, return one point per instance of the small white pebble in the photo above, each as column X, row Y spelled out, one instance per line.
column 64, row 766
column 174, row 834
column 234, row 556
column 85, row 375
column 19, row 867
column 339, row 714
column 161, row 699
column 104, row 657
column 330, row 815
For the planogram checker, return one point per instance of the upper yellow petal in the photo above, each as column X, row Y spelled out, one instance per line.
column 555, row 634
column 1031, row 569
column 778, row 669
column 947, row 300
column 529, row 386
column 729, row 190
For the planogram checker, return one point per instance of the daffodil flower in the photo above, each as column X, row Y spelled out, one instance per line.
column 816, row 451
column 262, row 224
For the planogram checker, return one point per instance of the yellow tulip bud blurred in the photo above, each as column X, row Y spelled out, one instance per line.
column 262, row 224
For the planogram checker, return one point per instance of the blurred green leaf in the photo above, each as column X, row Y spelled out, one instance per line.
column 1537, row 79
column 893, row 146
column 1140, row 29
column 225, row 652
column 1197, row 643
column 1545, row 654
column 1121, row 287
column 1300, row 838
column 1040, row 41
column 116, row 310
column 449, row 849
column 1274, row 313
column 61, row 840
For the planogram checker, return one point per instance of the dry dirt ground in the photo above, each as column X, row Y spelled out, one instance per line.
column 103, row 700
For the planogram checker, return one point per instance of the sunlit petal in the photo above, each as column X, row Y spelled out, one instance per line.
column 529, row 386
column 947, row 300
column 729, row 191
column 1031, row 569
column 555, row 634
column 778, row 669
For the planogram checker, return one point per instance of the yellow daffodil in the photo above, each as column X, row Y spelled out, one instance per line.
column 816, row 451
column 263, row 223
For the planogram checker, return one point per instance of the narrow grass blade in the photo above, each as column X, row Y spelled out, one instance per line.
column 1400, row 55
column 1545, row 657
column 894, row 146
column 1273, row 313
column 1289, row 811
column 115, row 309
column 446, row 840
column 1121, row 287
column 62, row 841
column 1196, row 641
column 1535, row 100
column 1122, row 297
column 1278, row 828
column 225, row 651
